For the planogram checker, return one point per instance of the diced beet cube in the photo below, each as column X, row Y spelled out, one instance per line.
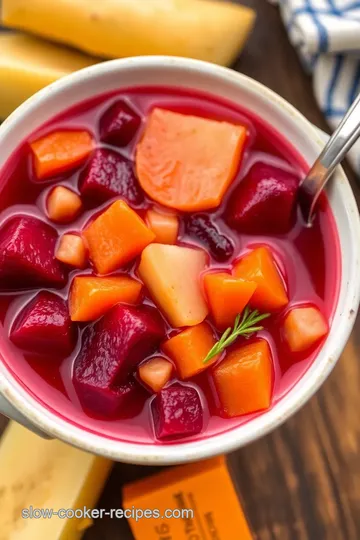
column 125, row 400
column 134, row 396
column 264, row 202
column 177, row 412
column 119, row 124
column 27, row 254
column 108, row 175
column 111, row 349
column 44, row 326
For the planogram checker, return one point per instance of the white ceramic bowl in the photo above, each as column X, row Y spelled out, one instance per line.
column 179, row 72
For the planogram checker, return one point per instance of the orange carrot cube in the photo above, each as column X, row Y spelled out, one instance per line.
column 259, row 266
column 155, row 373
column 60, row 151
column 243, row 380
column 165, row 226
column 116, row 237
column 63, row 204
column 188, row 162
column 189, row 348
column 304, row 327
column 227, row 297
column 72, row 251
column 91, row 297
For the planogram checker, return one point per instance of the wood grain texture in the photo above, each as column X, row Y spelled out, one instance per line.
column 302, row 481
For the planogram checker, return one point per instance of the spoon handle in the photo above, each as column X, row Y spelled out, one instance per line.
column 343, row 138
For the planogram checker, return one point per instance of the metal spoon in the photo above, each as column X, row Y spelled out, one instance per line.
column 335, row 150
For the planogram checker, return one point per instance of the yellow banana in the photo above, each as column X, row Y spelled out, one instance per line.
column 204, row 29
column 28, row 64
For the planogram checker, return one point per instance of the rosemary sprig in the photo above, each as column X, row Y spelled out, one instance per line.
column 243, row 326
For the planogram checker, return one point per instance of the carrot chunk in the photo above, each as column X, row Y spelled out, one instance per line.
column 227, row 297
column 90, row 297
column 259, row 266
column 71, row 250
column 243, row 380
column 189, row 348
column 304, row 327
column 172, row 276
column 63, row 204
column 165, row 226
column 187, row 162
column 60, row 151
column 155, row 373
column 116, row 237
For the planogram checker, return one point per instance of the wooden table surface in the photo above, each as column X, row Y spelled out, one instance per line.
column 301, row 482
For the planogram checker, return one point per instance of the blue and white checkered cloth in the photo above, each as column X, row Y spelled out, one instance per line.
column 327, row 36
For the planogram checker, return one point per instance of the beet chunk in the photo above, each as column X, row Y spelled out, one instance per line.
column 44, row 326
column 264, row 202
column 201, row 227
column 111, row 349
column 119, row 124
column 108, row 175
column 27, row 259
column 123, row 401
column 177, row 412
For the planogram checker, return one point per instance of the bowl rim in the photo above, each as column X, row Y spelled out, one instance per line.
column 227, row 441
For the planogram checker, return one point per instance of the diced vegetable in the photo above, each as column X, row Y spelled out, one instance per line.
column 201, row 227
column 304, row 327
column 44, row 326
column 264, row 202
column 165, row 226
column 90, row 297
column 111, row 350
column 259, row 266
column 244, row 379
column 177, row 412
column 227, row 297
column 155, row 373
column 116, row 237
column 115, row 401
column 60, row 151
column 172, row 275
column 27, row 247
column 189, row 348
column 187, row 162
column 119, row 124
column 109, row 174
column 72, row 251
column 63, row 204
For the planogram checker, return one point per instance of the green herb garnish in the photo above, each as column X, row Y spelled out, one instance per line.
column 243, row 326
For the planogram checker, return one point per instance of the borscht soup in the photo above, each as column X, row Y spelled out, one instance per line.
column 157, row 281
